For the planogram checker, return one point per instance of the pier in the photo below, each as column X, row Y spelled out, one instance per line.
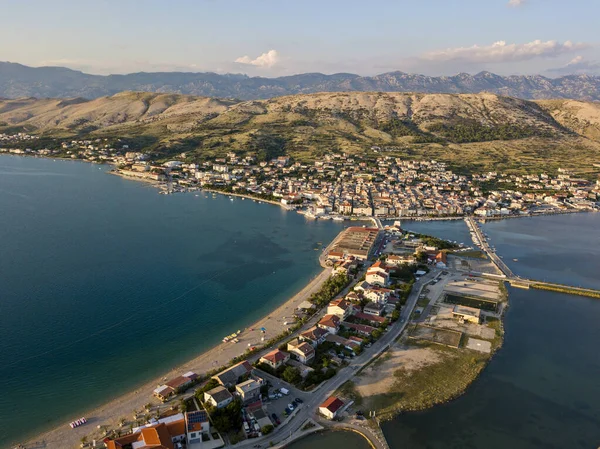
column 517, row 281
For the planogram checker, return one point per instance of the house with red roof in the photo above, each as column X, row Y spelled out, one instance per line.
column 378, row 274
column 161, row 435
column 275, row 358
column 340, row 307
column 331, row 407
column 302, row 350
column 330, row 323
column 315, row 336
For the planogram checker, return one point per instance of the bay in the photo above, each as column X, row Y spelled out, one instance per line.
column 105, row 284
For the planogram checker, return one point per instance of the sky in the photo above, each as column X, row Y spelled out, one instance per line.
column 283, row 37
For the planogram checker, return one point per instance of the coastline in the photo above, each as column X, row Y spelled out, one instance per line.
column 221, row 354
column 159, row 184
column 249, row 197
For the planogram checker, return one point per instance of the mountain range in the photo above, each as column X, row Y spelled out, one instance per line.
column 18, row 80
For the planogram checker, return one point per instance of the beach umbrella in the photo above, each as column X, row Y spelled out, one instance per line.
column 263, row 329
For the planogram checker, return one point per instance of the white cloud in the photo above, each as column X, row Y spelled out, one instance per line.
column 268, row 59
column 516, row 3
column 502, row 52
column 577, row 66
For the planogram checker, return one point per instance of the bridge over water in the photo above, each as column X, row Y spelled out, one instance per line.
column 516, row 281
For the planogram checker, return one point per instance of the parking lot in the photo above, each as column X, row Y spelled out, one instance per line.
column 277, row 403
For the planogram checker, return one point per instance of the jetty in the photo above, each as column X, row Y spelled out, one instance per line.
column 480, row 240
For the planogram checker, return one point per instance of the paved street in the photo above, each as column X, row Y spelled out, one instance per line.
column 315, row 398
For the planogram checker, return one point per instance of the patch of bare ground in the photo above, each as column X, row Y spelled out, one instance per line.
column 378, row 378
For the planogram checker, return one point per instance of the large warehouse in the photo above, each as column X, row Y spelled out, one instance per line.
column 354, row 241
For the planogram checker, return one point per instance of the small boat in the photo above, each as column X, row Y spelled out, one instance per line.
column 515, row 260
column 78, row 422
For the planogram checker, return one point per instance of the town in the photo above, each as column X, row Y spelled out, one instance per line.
column 384, row 283
column 341, row 186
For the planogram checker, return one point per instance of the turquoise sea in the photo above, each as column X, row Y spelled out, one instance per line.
column 105, row 284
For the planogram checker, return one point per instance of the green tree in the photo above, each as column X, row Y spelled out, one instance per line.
column 222, row 423
column 265, row 430
column 291, row 375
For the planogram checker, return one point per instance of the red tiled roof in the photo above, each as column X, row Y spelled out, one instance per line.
column 332, row 404
column 330, row 321
column 155, row 437
column 275, row 356
column 372, row 318
column 178, row 382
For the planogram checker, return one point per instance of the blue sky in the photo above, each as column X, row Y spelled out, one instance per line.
column 282, row 37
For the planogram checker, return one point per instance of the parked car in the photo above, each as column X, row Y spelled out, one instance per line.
column 298, row 401
column 291, row 407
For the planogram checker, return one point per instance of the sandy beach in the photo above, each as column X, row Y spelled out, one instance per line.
column 122, row 407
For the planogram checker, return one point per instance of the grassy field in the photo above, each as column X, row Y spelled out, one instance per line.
column 430, row 385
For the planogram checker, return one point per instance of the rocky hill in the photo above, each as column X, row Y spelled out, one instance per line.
column 17, row 80
column 467, row 130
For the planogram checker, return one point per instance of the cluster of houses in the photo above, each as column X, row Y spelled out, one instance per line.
column 18, row 137
column 346, row 185
column 191, row 428
column 239, row 377
column 344, row 316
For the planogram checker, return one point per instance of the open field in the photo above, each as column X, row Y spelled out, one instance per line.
column 446, row 337
column 415, row 377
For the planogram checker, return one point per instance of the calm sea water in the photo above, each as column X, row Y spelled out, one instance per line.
column 331, row 440
column 105, row 284
column 557, row 248
column 455, row 230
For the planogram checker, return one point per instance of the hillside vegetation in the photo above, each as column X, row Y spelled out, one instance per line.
column 471, row 131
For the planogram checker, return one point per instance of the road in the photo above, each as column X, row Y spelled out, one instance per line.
column 326, row 389
column 512, row 277
column 484, row 245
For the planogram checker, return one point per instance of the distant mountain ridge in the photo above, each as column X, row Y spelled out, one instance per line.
column 18, row 81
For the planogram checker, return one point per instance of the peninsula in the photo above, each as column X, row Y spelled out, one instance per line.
column 370, row 293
